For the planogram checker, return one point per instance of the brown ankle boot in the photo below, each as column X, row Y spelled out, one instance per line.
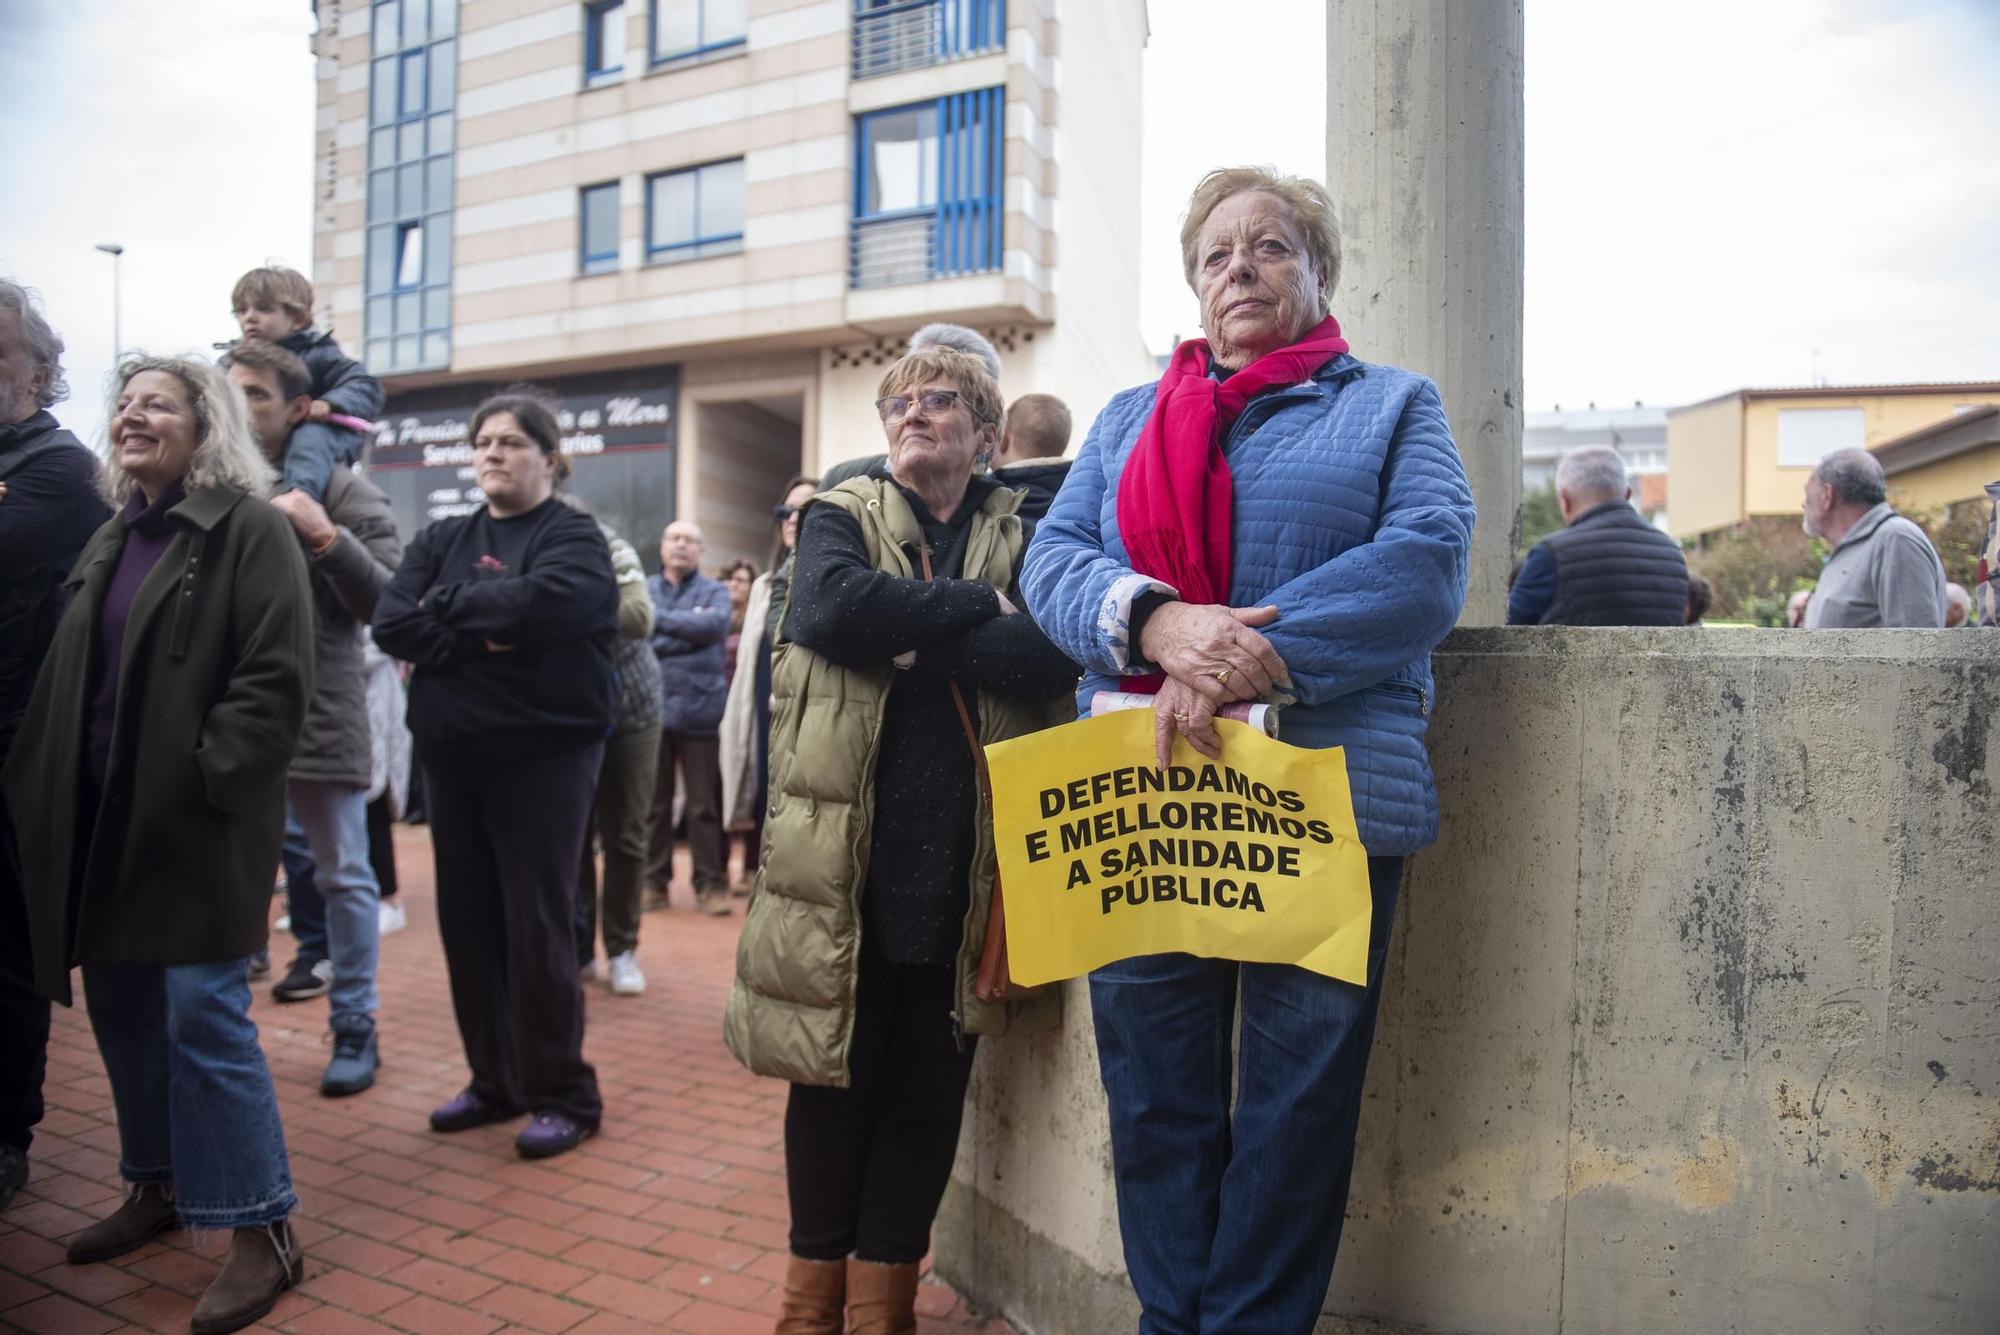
column 263, row 1262
column 148, row 1210
column 814, row 1291
column 881, row 1299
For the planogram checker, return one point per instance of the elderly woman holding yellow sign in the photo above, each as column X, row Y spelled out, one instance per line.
column 1274, row 518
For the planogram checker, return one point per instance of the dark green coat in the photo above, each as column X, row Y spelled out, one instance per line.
column 213, row 683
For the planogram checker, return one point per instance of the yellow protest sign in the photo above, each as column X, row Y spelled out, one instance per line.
column 1104, row 857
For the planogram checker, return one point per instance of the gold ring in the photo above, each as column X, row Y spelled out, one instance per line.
column 1222, row 677
column 1181, row 719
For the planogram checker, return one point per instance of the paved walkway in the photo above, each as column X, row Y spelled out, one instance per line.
column 673, row 1218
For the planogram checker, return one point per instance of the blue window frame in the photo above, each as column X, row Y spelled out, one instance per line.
column 603, row 40
column 683, row 29
column 928, row 189
column 597, row 228
column 695, row 211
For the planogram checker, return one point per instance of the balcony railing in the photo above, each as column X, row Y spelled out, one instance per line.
column 896, row 37
column 888, row 251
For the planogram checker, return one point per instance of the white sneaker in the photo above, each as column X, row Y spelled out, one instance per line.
column 626, row 980
column 393, row 917
column 283, row 924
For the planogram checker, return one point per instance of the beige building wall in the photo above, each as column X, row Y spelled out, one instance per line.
column 1769, row 488
column 1963, row 477
column 1705, row 465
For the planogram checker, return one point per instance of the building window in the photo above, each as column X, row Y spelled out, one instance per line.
column 409, row 256
column 895, row 35
column 598, row 231
column 927, row 192
column 406, row 276
column 684, row 28
column 1807, row 435
column 603, row 40
column 695, row 212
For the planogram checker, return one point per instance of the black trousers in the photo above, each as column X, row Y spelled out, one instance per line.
column 507, row 838
column 866, row 1166
column 24, row 1012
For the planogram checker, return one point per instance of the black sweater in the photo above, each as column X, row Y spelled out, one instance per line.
column 539, row 584
column 926, row 790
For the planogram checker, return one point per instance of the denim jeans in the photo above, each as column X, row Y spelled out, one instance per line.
column 1231, row 1222
column 194, row 1098
column 302, row 900
column 334, row 817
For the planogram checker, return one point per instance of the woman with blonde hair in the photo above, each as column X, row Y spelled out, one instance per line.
column 857, row 971
column 148, row 786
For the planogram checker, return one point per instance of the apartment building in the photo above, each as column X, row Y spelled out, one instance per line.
column 706, row 225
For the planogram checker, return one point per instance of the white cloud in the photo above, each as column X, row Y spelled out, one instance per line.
column 1719, row 193
column 183, row 132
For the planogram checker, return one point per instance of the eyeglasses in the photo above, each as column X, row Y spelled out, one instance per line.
column 783, row 512
column 935, row 403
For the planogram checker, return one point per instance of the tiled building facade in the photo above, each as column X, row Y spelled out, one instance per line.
column 706, row 224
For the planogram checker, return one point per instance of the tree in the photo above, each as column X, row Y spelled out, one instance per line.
column 1540, row 516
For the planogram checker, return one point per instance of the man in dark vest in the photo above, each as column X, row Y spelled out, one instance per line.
column 49, row 507
column 1608, row 566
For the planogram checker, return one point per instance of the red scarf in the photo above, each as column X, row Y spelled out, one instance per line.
column 1175, row 501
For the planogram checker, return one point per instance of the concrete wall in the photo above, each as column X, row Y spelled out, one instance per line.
column 1692, row 1020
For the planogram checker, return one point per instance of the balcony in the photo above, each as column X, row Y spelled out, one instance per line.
column 891, row 38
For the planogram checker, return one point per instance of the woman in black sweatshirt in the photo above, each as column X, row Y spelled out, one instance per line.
column 510, row 614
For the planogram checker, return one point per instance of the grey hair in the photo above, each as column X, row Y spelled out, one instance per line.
column 1312, row 209
column 1855, row 477
column 959, row 339
column 1593, row 472
column 225, row 453
column 45, row 346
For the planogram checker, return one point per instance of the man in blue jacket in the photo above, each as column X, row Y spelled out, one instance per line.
column 690, row 623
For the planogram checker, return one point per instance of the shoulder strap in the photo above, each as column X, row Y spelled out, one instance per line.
column 958, row 703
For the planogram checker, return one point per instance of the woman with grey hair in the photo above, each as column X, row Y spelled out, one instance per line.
column 149, row 788
column 1273, row 520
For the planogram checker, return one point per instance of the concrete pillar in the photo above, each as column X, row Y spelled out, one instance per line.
column 1423, row 147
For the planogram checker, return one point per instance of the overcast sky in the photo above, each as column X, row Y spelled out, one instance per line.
column 1719, row 192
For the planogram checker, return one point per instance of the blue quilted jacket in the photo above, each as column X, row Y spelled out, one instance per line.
column 1353, row 518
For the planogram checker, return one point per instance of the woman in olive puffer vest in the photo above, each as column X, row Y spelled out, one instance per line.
column 856, row 965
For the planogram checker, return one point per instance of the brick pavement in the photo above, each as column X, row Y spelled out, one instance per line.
column 672, row 1219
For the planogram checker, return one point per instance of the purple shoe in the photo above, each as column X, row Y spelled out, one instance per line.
column 551, row 1134
column 465, row 1110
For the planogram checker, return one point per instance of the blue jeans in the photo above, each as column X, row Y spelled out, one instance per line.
column 302, row 900
column 193, row 1095
column 1231, row 1223
column 335, row 820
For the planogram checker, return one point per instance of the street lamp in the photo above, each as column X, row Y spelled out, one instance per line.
column 114, row 250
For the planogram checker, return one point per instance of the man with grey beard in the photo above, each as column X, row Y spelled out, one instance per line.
column 49, row 507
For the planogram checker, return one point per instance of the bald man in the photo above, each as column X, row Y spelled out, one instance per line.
column 690, row 623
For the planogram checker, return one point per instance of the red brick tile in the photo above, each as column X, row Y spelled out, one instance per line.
column 57, row 1315
column 705, row 1318
column 536, row 1311
column 545, row 1273
column 629, row 1299
column 363, row 1254
column 428, row 1316
column 452, row 1283
column 353, row 1291
column 625, row 1262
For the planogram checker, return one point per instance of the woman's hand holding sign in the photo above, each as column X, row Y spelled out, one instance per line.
column 1212, row 655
